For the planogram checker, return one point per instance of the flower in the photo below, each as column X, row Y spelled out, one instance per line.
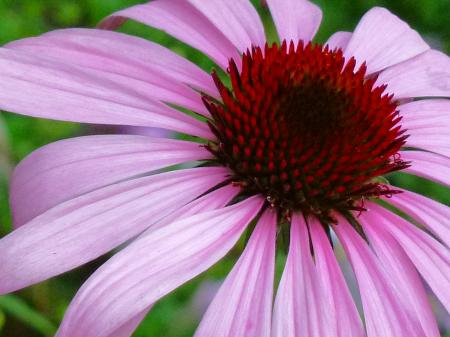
column 297, row 141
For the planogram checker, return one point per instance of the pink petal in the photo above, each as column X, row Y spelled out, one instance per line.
column 128, row 328
column 153, row 266
column 382, row 39
column 69, row 168
column 243, row 305
column 431, row 258
column 133, row 56
column 427, row 124
column 182, row 20
column 339, row 40
column 237, row 20
column 425, row 75
column 428, row 165
column 211, row 201
column 40, row 87
column 402, row 274
column 384, row 313
column 432, row 139
column 435, row 139
column 340, row 317
column 425, row 113
column 86, row 227
column 152, row 84
column 430, row 213
column 295, row 19
column 297, row 310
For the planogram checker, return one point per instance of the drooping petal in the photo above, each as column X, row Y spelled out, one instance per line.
column 297, row 310
column 419, row 114
column 243, row 305
column 40, row 87
column 427, row 124
column 402, row 274
column 211, row 201
column 431, row 258
column 295, row 19
column 153, row 266
column 430, row 213
column 340, row 317
column 132, row 56
column 432, row 139
column 339, row 40
column 151, row 84
column 182, row 20
column 237, row 20
column 128, row 328
column 428, row 165
column 384, row 313
column 426, row 75
column 86, row 227
column 69, row 168
column 381, row 39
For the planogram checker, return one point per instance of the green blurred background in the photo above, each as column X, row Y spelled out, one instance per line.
column 37, row 311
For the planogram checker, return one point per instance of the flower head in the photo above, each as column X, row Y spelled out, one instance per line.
column 305, row 130
column 294, row 138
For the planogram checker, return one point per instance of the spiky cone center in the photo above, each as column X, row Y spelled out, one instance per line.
column 304, row 128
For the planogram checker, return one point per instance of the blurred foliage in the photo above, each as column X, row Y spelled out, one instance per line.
column 16, row 307
column 36, row 311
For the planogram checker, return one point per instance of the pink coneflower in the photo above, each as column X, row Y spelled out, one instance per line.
column 297, row 139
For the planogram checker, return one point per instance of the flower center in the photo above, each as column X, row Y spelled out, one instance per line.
column 304, row 128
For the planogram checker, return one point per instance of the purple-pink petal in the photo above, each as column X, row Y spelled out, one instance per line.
column 298, row 310
column 384, row 313
column 428, row 165
column 182, row 20
column 427, row 212
column 402, row 274
column 423, row 113
column 243, row 305
column 340, row 317
column 339, row 40
column 429, row 256
column 211, row 201
column 41, row 87
column 128, row 328
column 427, row 124
column 381, row 39
column 151, row 84
column 237, row 20
column 426, row 75
column 133, row 56
column 153, row 266
column 295, row 19
column 86, row 227
column 69, row 168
